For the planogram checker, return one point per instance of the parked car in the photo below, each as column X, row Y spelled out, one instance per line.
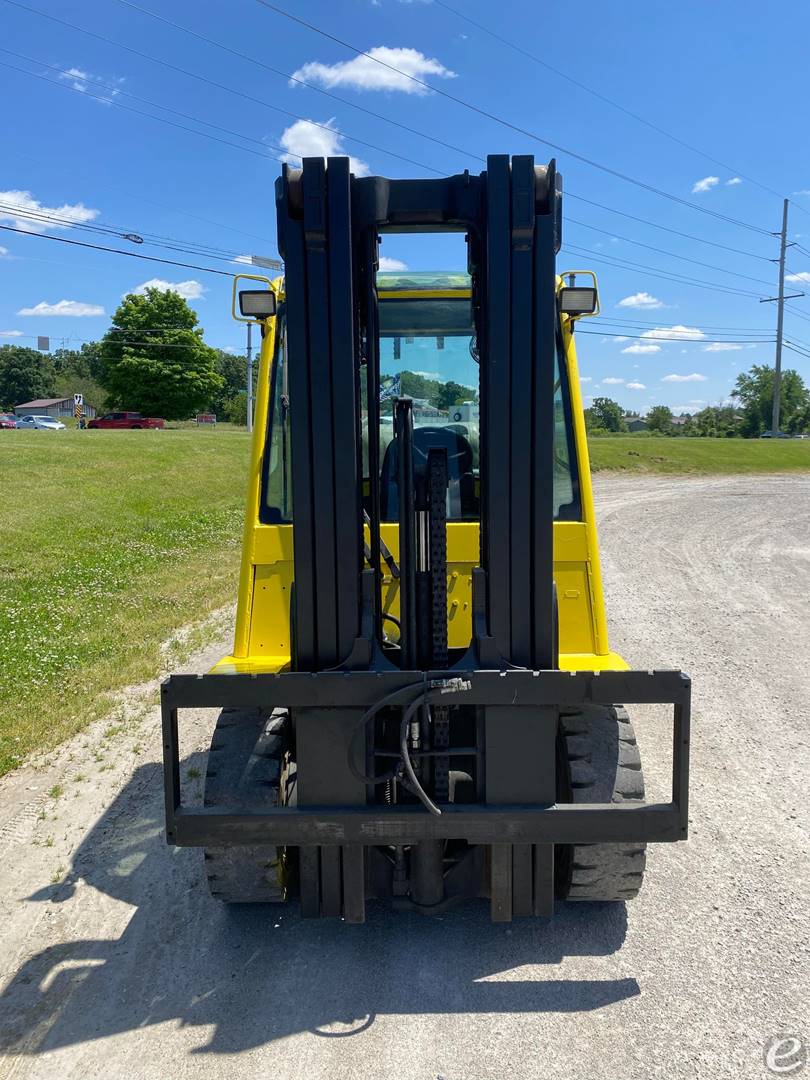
column 8, row 420
column 39, row 423
column 779, row 435
column 126, row 421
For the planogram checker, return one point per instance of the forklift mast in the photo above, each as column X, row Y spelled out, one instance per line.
column 329, row 227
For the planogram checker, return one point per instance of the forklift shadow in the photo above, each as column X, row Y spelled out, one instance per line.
column 254, row 974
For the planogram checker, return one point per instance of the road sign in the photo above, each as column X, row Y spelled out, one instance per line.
column 78, row 399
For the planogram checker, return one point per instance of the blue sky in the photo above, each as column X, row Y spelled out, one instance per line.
column 722, row 77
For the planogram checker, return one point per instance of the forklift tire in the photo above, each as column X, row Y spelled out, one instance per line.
column 245, row 764
column 599, row 763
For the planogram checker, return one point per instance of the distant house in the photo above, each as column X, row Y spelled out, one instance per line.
column 56, row 407
column 635, row 423
column 679, row 421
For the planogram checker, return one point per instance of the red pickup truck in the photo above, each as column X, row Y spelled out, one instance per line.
column 129, row 420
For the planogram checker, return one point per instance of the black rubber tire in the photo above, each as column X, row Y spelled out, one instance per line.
column 599, row 763
column 245, row 765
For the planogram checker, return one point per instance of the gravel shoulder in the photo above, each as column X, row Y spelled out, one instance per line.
column 115, row 962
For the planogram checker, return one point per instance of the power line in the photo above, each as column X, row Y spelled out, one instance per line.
column 624, row 264
column 117, row 251
column 652, row 338
column 662, row 251
column 507, row 124
column 222, row 86
column 267, row 67
column 631, row 320
column 140, row 112
column 602, row 97
column 665, row 228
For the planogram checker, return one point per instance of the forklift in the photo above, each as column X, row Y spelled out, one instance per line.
column 421, row 706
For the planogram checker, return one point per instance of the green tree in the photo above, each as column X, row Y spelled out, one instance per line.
column 154, row 359
column 85, row 363
column 714, row 422
column 452, row 393
column 605, row 413
column 232, row 368
column 800, row 421
column 25, row 374
column 659, row 418
column 754, row 391
column 235, row 409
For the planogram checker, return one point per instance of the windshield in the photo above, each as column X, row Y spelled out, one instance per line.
column 428, row 352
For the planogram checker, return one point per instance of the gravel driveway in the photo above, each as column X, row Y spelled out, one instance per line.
column 116, row 963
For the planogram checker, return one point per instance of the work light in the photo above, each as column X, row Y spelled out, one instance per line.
column 576, row 300
column 257, row 303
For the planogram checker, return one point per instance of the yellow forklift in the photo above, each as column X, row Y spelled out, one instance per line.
column 421, row 705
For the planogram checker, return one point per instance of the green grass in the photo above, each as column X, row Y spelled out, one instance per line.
column 631, row 453
column 109, row 541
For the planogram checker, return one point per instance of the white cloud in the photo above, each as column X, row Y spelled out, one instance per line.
column 641, row 300
column 803, row 276
column 84, row 81
column 11, row 333
column 802, row 191
column 641, row 350
column 612, row 381
column 63, row 307
column 231, row 349
column 189, row 290
column 722, row 346
column 694, row 377
column 23, row 210
column 733, row 181
column 4, row 252
column 305, row 138
column 585, row 378
column 364, row 73
column 392, row 264
column 429, row 374
column 706, row 184
column 636, row 386
column 77, row 78
column 697, row 401
column 678, row 333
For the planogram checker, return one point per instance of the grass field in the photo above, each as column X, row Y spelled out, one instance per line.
column 699, row 456
column 109, row 541
column 112, row 541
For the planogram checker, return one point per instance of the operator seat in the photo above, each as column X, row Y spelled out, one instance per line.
column 461, row 501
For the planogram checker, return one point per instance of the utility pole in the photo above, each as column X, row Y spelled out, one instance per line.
column 249, row 378
column 780, row 318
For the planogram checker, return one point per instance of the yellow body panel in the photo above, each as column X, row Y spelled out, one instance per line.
column 262, row 637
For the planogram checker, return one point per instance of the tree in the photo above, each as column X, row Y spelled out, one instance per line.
column 605, row 413
column 453, row 393
column 154, row 359
column 714, row 422
column 85, row 363
column 754, row 390
column 232, row 368
column 25, row 374
column 659, row 418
